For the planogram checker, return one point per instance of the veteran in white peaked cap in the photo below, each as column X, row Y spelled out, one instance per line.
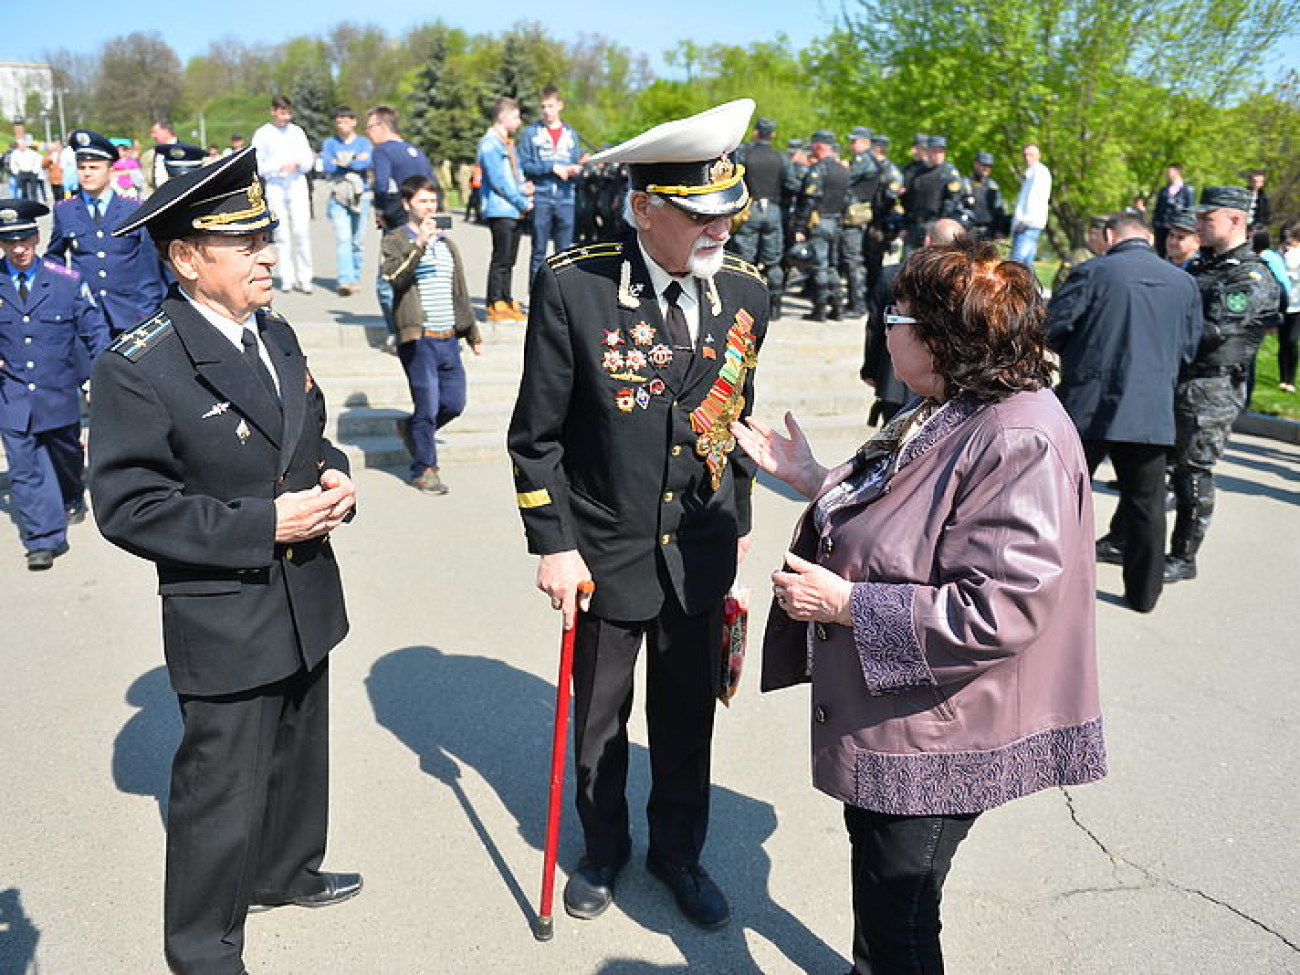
column 640, row 352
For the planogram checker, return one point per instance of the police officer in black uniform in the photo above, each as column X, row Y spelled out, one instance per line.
column 988, row 215
column 208, row 458
column 760, row 238
column 822, row 199
column 50, row 331
column 123, row 272
column 886, row 217
column 936, row 190
column 864, row 181
column 1239, row 300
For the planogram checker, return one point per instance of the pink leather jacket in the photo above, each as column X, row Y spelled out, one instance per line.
column 969, row 676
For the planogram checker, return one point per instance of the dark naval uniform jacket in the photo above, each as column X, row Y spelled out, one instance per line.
column 46, row 346
column 123, row 273
column 601, row 440
column 186, row 475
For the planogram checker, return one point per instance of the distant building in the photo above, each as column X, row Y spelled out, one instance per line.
column 18, row 79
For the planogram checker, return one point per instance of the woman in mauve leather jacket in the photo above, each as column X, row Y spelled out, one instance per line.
column 939, row 595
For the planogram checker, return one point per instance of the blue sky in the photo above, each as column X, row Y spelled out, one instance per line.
column 189, row 27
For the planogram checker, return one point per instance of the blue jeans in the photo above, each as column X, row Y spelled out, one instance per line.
column 437, row 380
column 1024, row 246
column 348, row 230
column 384, row 292
column 552, row 222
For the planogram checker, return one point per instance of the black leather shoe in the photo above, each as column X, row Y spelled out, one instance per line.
column 697, row 896
column 38, row 560
column 1108, row 551
column 76, row 514
column 590, row 890
column 1176, row 569
column 338, row 888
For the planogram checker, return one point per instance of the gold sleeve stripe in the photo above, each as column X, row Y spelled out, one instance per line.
column 533, row 499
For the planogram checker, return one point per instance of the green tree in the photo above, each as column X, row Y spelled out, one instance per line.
column 1110, row 89
column 139, row 80
column 443, row 105
column 313, row 100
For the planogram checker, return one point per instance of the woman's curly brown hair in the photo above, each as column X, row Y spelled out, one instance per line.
column 982, row 318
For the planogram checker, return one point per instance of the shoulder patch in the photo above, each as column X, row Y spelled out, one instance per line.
column 733, row 263
column 57, row 268
column 69, row 199
column 134, row 344
column 585, row 252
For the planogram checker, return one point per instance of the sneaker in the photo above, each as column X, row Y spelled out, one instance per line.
column 304, row 288
column 1176, row 569
column 499, row 311
column 429, row 482
column 517, row 310
column 346, row 289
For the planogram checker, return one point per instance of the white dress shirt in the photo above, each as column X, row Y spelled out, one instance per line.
column 234, row 333
column 689, row 302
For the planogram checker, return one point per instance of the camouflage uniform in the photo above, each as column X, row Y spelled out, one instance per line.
column 1239, row 298
column 864, row 179
column 822, row 199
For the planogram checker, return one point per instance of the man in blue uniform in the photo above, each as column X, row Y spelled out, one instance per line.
column 50, row 331
column 123, row 273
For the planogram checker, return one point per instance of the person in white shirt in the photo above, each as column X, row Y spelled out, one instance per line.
column 1031, row 208
column 284, row 158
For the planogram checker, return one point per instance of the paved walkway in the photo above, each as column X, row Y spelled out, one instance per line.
column 1183, row 861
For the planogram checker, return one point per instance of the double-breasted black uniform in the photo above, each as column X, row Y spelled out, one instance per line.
column 188, row 451
column 605, row 462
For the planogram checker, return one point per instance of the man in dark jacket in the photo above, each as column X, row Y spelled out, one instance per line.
column 208, row 458
column 639, row 356
column 1124, row 323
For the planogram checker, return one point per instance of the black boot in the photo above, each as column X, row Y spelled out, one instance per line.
column 836, row 312
column 774, row 307
column 818, row 313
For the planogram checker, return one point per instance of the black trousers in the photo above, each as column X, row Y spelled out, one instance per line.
column 1139, row 523
column 506, row 232
column 682, row 667
column 899, row 864
column 248, row 814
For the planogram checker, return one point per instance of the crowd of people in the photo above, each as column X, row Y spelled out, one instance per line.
column 633, row 450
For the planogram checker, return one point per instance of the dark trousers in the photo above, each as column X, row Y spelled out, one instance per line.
column 436, row 377
column 247, row 816
column 1139, row 524
column 899, row 864
column 506, row 232
column 1288, row 337
column 46, row 477
column 682, row 667
column 552, row 224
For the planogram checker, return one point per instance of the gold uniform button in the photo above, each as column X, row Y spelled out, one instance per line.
column 668, row 497
column 665, row 539
column 288, row 554
column 677, row 451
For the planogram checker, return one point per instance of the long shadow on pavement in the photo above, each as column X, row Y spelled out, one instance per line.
column 18, row 935
column 143, row 749
column 451, row 709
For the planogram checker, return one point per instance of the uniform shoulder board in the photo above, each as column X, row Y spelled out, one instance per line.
column 66, row 200
column 733, row 263
column 145, row 336
column 58, row 268
column 585, row 252
column 273, row 316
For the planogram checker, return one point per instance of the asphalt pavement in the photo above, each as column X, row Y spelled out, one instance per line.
column 1183, row 860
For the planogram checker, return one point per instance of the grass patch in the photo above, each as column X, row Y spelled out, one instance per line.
column 1267, row 398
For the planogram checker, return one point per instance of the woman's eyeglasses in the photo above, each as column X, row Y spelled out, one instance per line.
column 892, row 318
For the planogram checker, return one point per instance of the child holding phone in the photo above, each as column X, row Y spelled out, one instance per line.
column 432, row 311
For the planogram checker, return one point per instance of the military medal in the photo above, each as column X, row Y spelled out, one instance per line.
column 643, row 334
column 612, row 338
column 642, row 398
column 625, row 399
column 634, row 359
column 311, row 383
column 612, row 360
column 242, row 431
column 725, row 401
column 216, row 409
column 656, row 387
column 660, row 356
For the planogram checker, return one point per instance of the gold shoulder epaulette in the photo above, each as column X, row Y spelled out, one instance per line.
column 733, row 263
column 585, row 252
column 145, row 336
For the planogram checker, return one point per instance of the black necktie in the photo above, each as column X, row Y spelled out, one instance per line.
column 95, row 211
column 23, row 289
column 678, row 333
column 254, row 360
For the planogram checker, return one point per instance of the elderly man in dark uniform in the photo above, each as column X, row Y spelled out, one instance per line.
column 50, row 331
column 1239, row 302
column 123, row 272
column 638, row 355
column 1124, row 324
column 208, row 457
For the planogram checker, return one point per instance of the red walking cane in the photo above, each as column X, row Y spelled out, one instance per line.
column 544, row 929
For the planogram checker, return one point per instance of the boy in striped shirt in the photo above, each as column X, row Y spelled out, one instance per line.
column 432, row 312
